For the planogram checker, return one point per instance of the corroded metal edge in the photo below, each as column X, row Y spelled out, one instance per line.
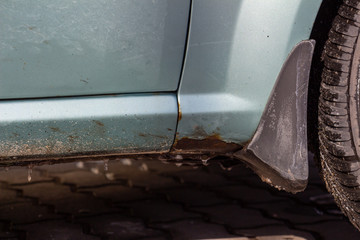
column 270, row 175
column 278, row 150
column 211, row 144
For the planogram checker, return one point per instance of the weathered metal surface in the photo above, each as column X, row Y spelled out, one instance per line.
column 87, row 125
column 278, row 150
column 84, row 47
column 211, row 144
column 235, row 52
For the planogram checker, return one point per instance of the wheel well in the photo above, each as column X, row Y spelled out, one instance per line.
column 321, row 28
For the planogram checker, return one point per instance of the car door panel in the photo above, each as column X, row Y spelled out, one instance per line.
column 90, row 47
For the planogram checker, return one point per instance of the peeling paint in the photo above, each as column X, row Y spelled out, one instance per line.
column 212, row 144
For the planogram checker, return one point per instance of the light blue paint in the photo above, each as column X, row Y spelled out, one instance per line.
column 84, row 47
column 235, row 52
column 112, row 124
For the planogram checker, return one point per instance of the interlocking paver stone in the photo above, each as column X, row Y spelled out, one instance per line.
column 192, row 197
column 118, row 193
column 9, row 236
column 158, row 166
column 156, row 210
column 237, row 168
column 246, row 194
column 8, row 196
column 149, row 181
column 63, row 199
column 333, row 230
column 21, row 176
column 235, row 216
column 146, row 199
column 239, row 172
column 26, row 212
column 274, row 230
column 55, row 230
column 196, row 229
column 137, row 175
column 82, row 178
column 119, row 227
column 57, row 168
column 292, row 210
column 5, row 233
column 200, row 178
column 308, row 195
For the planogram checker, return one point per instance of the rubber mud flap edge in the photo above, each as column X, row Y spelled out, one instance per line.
column 278, row 151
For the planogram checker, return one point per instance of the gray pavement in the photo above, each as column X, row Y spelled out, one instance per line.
column 147, row 199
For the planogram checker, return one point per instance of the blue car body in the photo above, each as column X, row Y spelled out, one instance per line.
column 82, row 78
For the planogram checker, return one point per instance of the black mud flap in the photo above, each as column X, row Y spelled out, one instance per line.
column 278, row 150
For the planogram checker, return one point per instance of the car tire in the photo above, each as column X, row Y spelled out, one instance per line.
column 339, row 134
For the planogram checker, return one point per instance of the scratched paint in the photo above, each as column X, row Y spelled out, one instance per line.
column 69, row 126
column 62, row 48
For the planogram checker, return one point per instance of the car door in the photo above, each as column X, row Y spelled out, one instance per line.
column 90, row 76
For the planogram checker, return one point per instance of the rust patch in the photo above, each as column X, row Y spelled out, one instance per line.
column 55, row 129
column 180, row 113
column 152, row 135
column 72, row 138
column 213, row 144
column 98, row 123
column 15, row 134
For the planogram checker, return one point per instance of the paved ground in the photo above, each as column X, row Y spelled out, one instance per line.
column 146, row 199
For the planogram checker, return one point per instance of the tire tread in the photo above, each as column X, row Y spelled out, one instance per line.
column 339, row 161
